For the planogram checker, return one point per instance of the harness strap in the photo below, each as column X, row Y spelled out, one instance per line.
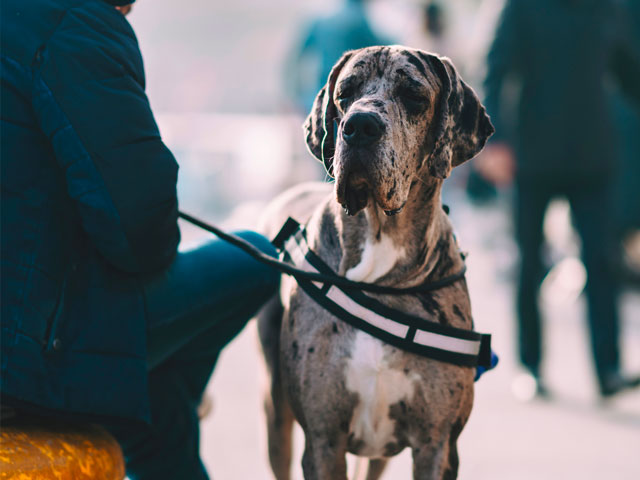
column 404, row 331
column 299, row 274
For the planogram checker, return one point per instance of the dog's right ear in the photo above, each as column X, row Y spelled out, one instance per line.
column 319, row 126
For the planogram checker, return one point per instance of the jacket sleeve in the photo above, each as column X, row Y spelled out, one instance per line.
column 502, row 61
column 90, row 99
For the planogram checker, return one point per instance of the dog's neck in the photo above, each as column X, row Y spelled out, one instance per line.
column 406, row 249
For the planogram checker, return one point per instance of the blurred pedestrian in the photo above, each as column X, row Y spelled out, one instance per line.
column 432, row 31
column 435, row 26
column 323, row 43
column 561, row 52
column 102, row 319
column 627, row 184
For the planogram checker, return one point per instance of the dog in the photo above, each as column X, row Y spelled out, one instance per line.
column 390, row 124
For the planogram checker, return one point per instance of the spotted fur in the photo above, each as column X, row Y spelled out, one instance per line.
column 350, row 392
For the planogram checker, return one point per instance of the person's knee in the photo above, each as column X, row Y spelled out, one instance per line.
column 259, row 241
column 268, row 277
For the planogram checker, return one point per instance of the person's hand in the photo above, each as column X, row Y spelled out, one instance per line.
column 125, row 9
column 496, row 164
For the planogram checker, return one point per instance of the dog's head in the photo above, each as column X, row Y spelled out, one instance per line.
column 388, row 115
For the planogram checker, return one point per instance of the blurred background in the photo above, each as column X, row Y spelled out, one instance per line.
column 231, row 82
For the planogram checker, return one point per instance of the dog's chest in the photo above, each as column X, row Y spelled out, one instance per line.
column 368, row 374
column 377, row 258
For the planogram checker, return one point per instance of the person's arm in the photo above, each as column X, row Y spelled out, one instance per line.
column 497, row 162
column 503, row 60
column 91, row 104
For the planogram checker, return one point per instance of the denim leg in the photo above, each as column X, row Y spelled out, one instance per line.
column 194, row 308
column 201, row 290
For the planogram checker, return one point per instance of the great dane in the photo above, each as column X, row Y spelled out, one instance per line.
column 390, row 124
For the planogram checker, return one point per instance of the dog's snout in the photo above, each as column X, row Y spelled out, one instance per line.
column 362, row 129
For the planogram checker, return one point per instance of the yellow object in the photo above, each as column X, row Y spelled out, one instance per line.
column 32, row 450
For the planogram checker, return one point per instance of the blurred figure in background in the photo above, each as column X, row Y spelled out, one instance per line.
column 438, row 27
column 627, row 186
column 564, row 144
column 433, row 30
column 324, row 42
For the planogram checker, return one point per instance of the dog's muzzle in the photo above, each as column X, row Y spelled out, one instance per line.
column 362, row 129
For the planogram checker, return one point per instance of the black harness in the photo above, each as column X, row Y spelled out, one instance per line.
column 397, row 328
column 345, row 299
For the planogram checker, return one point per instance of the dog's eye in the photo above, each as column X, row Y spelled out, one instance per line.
column 411, row 95
column 347, row 89
column 345, row 93
column 412, row 99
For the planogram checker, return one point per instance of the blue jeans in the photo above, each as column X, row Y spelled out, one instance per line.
column 195, row 308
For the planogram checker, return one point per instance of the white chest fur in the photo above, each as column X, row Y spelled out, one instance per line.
column 378, row 257
column 378, row 386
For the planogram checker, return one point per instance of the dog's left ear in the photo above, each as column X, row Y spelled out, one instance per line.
column 461, row 125
column 319, row 126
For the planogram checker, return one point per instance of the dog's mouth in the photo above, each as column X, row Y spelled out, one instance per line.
column 395, row 211
column 356, row 186
column 354, row 193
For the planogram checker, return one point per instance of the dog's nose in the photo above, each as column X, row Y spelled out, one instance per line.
column 362, row 129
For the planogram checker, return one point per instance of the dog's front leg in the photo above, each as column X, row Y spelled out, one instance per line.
column 436, row 461
column 280, row 429
column 324, row 459
column 429, row 463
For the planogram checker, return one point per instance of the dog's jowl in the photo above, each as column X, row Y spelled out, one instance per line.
column 389, row 125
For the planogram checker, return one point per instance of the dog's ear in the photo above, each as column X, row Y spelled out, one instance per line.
column 319, row 126
column 460, row 126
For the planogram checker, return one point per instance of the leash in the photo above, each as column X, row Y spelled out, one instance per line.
column 345, row 299
column 326, row 278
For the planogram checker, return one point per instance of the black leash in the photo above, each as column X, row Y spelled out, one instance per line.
column 319, row 277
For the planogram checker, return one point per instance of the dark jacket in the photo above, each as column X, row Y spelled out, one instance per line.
column 561, row 53
column 88, row 207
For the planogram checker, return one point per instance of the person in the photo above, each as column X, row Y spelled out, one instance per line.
column 560, row 52
column 102, row 319
column 627, row 183
column 323, row 43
